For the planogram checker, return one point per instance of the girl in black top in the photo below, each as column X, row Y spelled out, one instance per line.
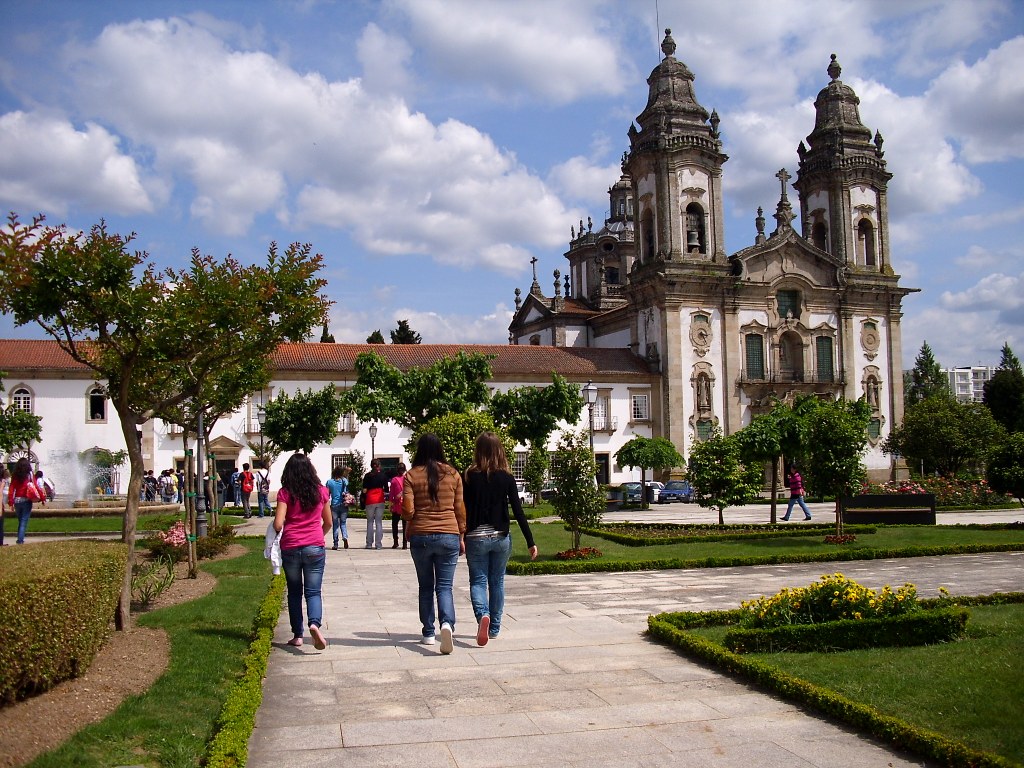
column 488, row 491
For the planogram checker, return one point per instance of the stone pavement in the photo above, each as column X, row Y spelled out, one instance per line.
column 571, row 681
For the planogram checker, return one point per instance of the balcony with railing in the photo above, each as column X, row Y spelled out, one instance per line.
column 760, row 376
column 348, row 424
column 605, row 423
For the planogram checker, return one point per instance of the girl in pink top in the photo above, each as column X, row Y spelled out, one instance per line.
column 304, row 513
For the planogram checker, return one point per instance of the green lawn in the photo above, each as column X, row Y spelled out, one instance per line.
column 101, row 524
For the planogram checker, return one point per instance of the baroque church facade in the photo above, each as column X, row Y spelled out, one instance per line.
column 813, row 309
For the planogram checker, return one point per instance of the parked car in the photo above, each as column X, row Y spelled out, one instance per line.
column 630, row 493
column 548, row 491
column 676, row 490
column 525, row 497
column 654, row 489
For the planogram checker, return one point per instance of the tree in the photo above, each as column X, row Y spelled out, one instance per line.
column 149, row 334
column 376, row 338
column 536, row 470
column 768, row 438
column 451, row 385
column 458, row 433
column 718, row 475
column 1006, row 467
column 578, row 500
column 326, row 337
column 1004, row 392
column 403, row 334
column 945, row 435
column 303, row 421
column 18, row 428
column 836, row 432
column 642, row 452
column 926, row 377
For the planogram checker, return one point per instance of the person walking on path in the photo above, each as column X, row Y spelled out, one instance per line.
column 375, row 484
column 21, row 494
column 395, row 490
column 246, row 484
column 796, row 494
column 5, row 483
column 263, row 489
column 338, row 487
column 432, row 504
column 489, row 491
column 303, row 515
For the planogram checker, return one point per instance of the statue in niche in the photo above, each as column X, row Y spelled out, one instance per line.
column 703, row 392
column 872, row 392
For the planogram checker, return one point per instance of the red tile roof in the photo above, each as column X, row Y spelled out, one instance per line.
column 509, row 360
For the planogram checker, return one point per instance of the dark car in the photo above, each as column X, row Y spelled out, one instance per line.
column 677, row 490
column 548, row 491
column 630, row 493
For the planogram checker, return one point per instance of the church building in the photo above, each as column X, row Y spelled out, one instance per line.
column 812, row 307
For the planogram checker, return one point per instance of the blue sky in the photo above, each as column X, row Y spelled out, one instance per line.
column 429, row 148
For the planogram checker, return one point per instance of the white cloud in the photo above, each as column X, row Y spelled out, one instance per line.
column 351, row 326
column 985, row 221
column 384, row 59
column 579, row 178
column 46, row 164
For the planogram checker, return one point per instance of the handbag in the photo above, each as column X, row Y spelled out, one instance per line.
column 32, row 492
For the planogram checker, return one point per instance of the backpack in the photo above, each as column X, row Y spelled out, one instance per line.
column 246, row 478
column 263, row 486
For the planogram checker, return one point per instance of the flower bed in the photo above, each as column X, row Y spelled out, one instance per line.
column 949, row 492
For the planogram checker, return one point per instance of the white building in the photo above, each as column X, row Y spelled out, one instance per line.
column 967, row 383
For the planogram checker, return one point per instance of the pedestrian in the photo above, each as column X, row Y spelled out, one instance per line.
column 21, row 494
column 46, row 487
column 796, row 493
column 263, row 489
column 338, row 486
column 302, row 514
column 150, row 485
column 5, row 482
column 395, row 499
column 375, row 485
column 489, row 491
column 246, row 482
column 432, row 505
column 167, row 486
column 180, row 477
column 234, row 487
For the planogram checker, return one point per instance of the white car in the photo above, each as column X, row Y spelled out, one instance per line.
column 655, row 489
column 524, row 495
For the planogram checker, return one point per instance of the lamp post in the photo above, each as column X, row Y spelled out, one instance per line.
column 373, row 442
column 201, row 523
column 590, row 395
column 261, row 419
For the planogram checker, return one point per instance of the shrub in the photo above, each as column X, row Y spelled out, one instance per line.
column 173, row 543
column 949, row 492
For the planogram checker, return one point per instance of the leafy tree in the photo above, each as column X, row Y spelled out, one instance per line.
column 1004, row 392
column 458, row 433
column 357, row 468
column 536, row 470
column 577, row 500
column 836, row 432
column 926, row 378
column 18, row 428
column 303, row 421
column 376, row 338
column 946, row 435
column 1006, row 467
column 643, row 452
column 150, row 335
column 768, row 438
column 718, row 475
column 451, row 385
column 403, row 334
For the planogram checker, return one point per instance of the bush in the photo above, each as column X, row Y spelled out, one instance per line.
column 949, row 492
column 173, row 542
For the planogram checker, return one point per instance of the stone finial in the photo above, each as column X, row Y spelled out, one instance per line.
column 759, row 225
column 590, row 225
column 558, row 283
column 834, row 70
column 715, row 120
column 878, row 142
column 668, row 45
column 519, row 299
column 572, row 231
column 566, row 279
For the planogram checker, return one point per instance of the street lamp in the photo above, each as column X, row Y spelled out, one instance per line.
column 590, row 395
column 373, row 442
column 261, row 419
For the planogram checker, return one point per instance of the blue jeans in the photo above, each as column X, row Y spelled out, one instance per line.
column 797, row 500
column 339, row 521
column 264, row 503
column 487, row 558
column 304, row 573
column 374, row 525
column 435, row 556
column 23, row 509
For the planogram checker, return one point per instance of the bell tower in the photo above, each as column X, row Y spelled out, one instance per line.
column 675, row 161
column 842, row 181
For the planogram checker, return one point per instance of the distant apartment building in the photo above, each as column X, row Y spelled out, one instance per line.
column 967, row 383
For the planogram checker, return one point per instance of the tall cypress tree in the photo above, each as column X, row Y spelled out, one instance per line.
column 926, row 378
column 1004, row 392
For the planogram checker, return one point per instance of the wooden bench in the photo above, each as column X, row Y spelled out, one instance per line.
column 894, row 508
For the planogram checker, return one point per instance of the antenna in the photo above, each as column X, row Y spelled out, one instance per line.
column 657, row 29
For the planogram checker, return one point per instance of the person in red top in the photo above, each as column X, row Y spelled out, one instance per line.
column 375, row 485
column 303, row 513
column 21, row 493
column 796, row 494
column 395, row 497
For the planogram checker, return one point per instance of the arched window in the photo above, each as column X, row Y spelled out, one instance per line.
column 647, row 235
column 788, row 304
column 819, row 235
column 866, row 243
column 791, row 357
column 695, row 235
column 535, row 340
column 21, row 399
column 97, row 404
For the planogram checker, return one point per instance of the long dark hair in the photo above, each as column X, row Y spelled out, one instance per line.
column 430, row 454
column 22, row 470
column 301, row 481
column 488, row 455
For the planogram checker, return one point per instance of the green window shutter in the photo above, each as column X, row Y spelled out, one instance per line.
column 789, row 304
column 823, row 346
column 755, row 356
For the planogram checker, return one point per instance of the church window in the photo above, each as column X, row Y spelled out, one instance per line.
column 21, row 399
column 647, row 233
column 535, row 340
column 622, row 207
column 755, row 356
column 823, row 350
column 629, row 206
column 819, row 235
column 695, row 235
column 789, row 304
column 641, row 408
column 97, row 404
column 612, row 275
column 866, row 243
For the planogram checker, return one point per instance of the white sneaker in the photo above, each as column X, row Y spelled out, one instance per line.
column 446, row 639
column 427, row 640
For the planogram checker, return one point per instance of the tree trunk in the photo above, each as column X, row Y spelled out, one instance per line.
column 721, row 517
column 643, row 488
column 129, row 424
column 775, row 488
column 190, row 505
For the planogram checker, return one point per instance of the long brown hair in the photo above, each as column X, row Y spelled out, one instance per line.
column 489, row 455
column 430, row 454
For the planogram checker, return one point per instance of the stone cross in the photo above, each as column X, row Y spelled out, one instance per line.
column 783, row 177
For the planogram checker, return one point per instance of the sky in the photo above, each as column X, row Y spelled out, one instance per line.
column 430, row 148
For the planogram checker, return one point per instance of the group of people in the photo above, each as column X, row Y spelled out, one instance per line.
column 20, row 488
column 443, row 515
column 168, row 487
column 237, row 486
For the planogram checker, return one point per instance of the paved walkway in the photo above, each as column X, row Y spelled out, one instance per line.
column 572, row 681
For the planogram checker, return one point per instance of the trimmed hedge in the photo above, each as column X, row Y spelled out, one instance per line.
column 723, row 533
column 57, row 601
column 671, row 628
